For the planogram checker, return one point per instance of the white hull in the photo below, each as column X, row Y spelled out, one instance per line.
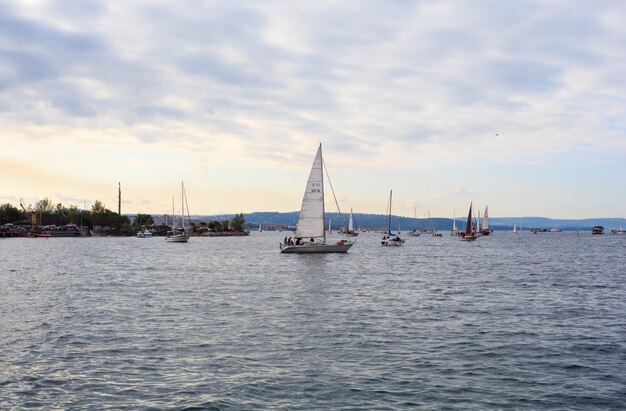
column 144, row 235
column 340, row 247
column 179, row 238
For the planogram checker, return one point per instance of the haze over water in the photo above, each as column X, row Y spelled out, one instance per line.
column 506, row 322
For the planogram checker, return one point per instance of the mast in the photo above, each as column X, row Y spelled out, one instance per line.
column 182, row 207
column 173, row 216
column 323, row 205
column 182, row 204
column 390, row 198
column 119, row 198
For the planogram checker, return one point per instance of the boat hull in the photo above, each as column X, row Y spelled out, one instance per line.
column 391, row 243
column 177, row 239
column 315, row 248
column 468, row 237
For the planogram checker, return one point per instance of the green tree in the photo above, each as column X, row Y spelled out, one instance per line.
column 61, row 215
column 237, row 222
column 215, row 226
column 44, row 209
column 143, row 219
column 44, row 206
column 10, row 214
column 73, row 215
column 98, row 207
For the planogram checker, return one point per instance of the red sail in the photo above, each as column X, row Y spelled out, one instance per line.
column 468, row 225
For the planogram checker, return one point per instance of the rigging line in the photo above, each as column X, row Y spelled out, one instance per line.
column 187, row 206
column 332, row 190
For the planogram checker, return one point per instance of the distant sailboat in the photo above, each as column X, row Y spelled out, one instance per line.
column 260, row 228
column 312, row 213
column 485, row 229
column 469, row 234
column 330, row 226
column 455, row 230
column 430, row 227
column 514, row 228
column 351, row 224
column 351, row 232
column 390, row 238
column 415, row 232
column 177, row 236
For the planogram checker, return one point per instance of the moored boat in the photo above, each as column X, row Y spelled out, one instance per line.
column 175, row 235
column 144, row 233
column 390, row 238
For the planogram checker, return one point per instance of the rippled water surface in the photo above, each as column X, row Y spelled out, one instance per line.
column 506, row 322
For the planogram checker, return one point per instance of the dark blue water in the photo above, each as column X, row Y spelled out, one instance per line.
column 507, row 322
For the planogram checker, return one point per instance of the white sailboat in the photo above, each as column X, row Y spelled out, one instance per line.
column 350, row 232
column 389, row 238
column 430, row 227
column 260, row 228
column 175, row 235
column 514, row 228
column 330, row 226
column 310, row 236
column 485, row 229
column 455, row 230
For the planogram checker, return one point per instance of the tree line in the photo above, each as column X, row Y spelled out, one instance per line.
column 45, row 212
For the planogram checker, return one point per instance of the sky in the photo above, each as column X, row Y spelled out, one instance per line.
column 518, row 105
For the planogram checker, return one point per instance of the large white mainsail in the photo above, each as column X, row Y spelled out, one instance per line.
column 311, row 222
column 486, row 220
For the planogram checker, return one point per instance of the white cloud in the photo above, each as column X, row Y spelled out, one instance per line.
column 420, row 85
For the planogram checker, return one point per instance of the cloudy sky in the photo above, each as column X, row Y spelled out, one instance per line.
column 520, row 105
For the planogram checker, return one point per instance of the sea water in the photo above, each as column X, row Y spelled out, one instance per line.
column 506, row 322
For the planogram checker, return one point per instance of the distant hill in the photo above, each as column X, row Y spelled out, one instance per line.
column 377, row 221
